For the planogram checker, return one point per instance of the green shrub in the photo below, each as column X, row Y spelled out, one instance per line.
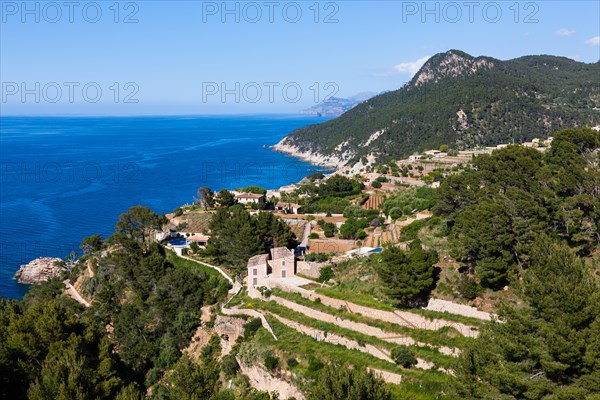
column 376, row 184
column 315, row 176
column 404, row 356
column 360, row 234
column 411, row 231
column 265, row 291
column 355, row 211
column 395, row 213
column 229, row 365
column 318, row 257
column 325, row 274
column 251, row 327
column 468, row 288
column 314, row 364
column 253, row 189
column 383, row 169
column 329, row 229
column 313, row 235
column 271, row 361
column 212, row 349
column 292, row 362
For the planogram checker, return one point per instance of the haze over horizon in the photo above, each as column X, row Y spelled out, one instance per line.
column 194, row 57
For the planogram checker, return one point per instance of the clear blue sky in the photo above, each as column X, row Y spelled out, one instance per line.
column 179, row 55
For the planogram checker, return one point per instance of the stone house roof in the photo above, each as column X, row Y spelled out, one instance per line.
column 260, row 259
column 281, row 252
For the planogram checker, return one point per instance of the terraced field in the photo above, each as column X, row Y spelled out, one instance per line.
column 374, row 202
column 310, row 324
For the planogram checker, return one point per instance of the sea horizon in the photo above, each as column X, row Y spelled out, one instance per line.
column 67, row 177
column 154, row 115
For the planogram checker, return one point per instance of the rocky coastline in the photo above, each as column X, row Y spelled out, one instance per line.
column 39, row 270
column 329, row 161
column 338, row 164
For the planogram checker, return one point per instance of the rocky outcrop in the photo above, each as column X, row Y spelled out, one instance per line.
column 39, row 270
column 310, row 156
column 261, row 379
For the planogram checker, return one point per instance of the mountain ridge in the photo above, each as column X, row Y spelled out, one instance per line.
column 459, row 100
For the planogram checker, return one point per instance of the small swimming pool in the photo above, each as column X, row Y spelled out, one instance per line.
column 178, row 242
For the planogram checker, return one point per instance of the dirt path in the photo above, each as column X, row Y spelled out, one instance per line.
column 74, row 294
column 89, row 268
column 306, row 234
column 219, row 270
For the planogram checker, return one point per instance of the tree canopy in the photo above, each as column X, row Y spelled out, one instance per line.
column 236, row 235
column 550, row 348
column 497, row 209
column 337, row 382
column 138, row 222
column 408, row 276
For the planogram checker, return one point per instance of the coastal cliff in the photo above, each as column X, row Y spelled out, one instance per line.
column 313, row 157
column 39, row 270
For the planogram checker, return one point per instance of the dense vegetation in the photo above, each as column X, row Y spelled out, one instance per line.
column 330, row 196
column 51, row 349
column 512, row 101
column 342, row 382
column 409, row 201
column 144, row 312
column 550, row 348
column 408, row 276
column 496, row 210
column 236, row 236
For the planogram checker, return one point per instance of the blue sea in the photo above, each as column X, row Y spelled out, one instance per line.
column 63, row 179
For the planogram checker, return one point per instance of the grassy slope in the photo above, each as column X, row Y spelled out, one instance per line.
column 418, row 385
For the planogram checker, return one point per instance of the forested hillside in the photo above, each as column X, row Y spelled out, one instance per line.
column 144, row 311
column 462, row 101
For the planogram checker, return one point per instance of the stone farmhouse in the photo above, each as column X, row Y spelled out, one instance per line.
column 280, row 263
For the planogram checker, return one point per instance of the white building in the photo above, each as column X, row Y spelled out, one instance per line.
column 250, row 198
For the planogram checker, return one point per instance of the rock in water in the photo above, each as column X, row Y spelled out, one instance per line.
column 39, row 270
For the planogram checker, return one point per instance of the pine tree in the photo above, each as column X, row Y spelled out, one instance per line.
column 337, row 382
column 408, row 276
column 547, row 349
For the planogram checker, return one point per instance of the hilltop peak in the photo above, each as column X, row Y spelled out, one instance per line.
column 450, row 64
